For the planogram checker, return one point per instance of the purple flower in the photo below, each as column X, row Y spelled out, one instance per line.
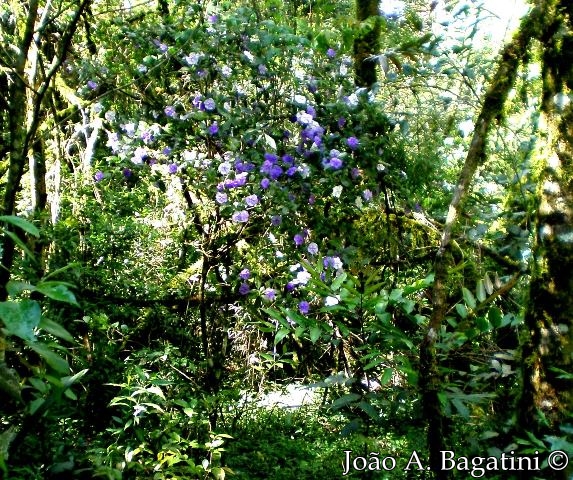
column 331, row 53
column 162, row 47
column 355, row 173
column 298, row 239
column 271, row 157
column 304, row 307
column 289, row 287
column 98, row 176
column 367, row 195
column 270, row 294
column 276, row 220
column 251, row 200
column 245, row 274
column 170, row 111
column 173, row 168
column 341, row 122
column 291, row 171
column 214, row 128
column 166, row 151
column 311, row 199
column 127, row 172
column 209, row 104
column 92, row 85
column 212, row 19
column 147, row 137
column 311, row 111
column 197, row 102
column 335, row 163
column 276, row 172
column 312, row 248
column 244, row 289
column 352, row 142
column 263, row 69
column 241, row 217
column 265, row 182
column 221, row 197
column 286, row 158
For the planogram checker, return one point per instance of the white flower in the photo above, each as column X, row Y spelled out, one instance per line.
column 336, row 191
column 129, row 128
column 358, row 202
column 249, row 55
column 302, row 277
column 192, row 59
column 300, row 99
column 336, row 263
column 303, row 118
column 224, row 168
column 343, row 70
column 330, row 301
column 226, row 70
column 353, row 100
column 109, row 116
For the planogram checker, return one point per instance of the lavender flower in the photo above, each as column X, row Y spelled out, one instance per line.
column 170, row 111
column 241, row 217
column 221, row 198
column 245, row 274
column 172, row 168
column 270, row 294
column 251, row 200
column 312, row 248
column 210, row 104
column 98, row 176
column 352, row 142
column 304, row 307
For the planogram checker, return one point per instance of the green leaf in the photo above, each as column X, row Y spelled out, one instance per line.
column 21, row 223
column 21, row 318
column 345, row 400
column 51, row 357
column 462, row 310
column 69, row 381
column 494, row 316
column 55, row 329
column 396, row 294
column 482, row 324
column 282, row 333
column 460, row 407
column 480, row 291
column 338, row 281
column 57, row 291
column 386, row 376
column 370, row 410
column 469, row 298
column 14, row 288
column 315, row 333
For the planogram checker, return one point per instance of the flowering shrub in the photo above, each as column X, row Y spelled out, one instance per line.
column 265, row 154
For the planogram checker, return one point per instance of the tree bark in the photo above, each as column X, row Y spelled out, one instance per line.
column 430, row 379
column 547, row 395
column 367, row 42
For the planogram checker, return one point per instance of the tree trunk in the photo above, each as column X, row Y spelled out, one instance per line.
column 430, row 378
column 367, row 42
column 547, row 396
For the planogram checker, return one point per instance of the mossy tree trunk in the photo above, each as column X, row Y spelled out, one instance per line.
column 431, row 380
column 547, row 396
column 367, row 42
